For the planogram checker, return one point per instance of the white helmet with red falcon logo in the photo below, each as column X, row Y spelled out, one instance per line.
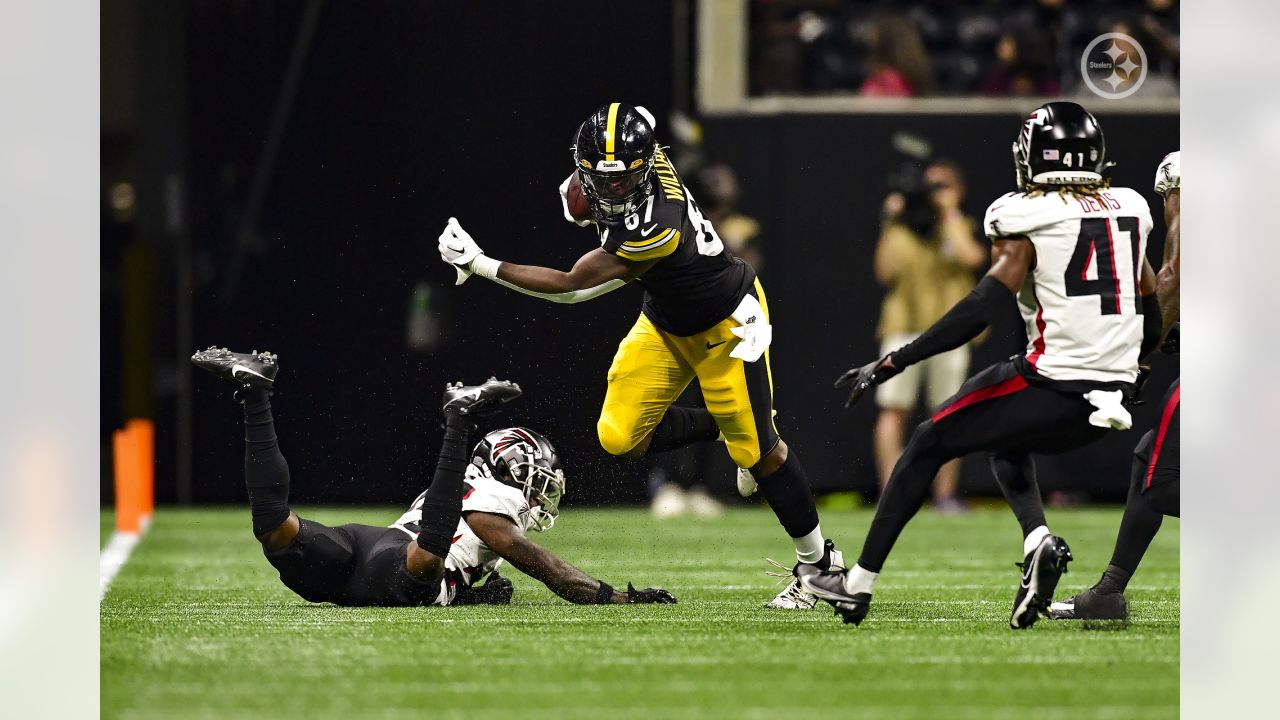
column 527, row 461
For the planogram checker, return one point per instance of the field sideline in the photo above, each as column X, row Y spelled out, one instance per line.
column 196, row 625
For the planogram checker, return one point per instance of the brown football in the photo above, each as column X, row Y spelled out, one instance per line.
column 579, row 208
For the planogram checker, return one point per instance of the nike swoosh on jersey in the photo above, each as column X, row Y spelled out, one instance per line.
column 649, row 231
column 241, row 368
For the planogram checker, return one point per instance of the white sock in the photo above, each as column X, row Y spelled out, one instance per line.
column 859, row 580
column 1033, row 539
column 810, row 547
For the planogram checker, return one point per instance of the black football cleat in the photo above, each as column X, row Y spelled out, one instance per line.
column 1091, row 605
column 481, row 399
column 1041, row 570
column 248, row 370
column 829, row 586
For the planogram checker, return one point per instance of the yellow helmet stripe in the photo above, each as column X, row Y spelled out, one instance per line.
column 611, row 130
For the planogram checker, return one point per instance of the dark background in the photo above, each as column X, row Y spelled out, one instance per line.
column 308, row 239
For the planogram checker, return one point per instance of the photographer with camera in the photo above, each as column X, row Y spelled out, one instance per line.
column 926, row 258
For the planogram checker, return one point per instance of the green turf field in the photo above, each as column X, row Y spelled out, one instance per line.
column 197, row 626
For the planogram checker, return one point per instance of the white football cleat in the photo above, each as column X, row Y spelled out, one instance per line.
column 795, row 597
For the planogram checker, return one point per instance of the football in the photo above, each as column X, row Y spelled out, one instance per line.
column 577, row 203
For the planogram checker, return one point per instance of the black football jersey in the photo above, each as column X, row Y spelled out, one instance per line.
column 697, row 281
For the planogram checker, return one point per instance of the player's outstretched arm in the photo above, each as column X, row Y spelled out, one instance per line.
column 563, row 579
column 595, row 273
column 1011, row 259
column 592, row 270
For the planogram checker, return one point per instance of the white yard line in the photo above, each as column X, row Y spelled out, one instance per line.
column 113, row 557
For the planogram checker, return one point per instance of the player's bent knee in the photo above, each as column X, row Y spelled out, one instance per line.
column 745, row 458
column 767, row 464
column 614, row 441
column 282, row 535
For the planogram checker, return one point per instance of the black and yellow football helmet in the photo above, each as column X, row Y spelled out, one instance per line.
column 614, row 152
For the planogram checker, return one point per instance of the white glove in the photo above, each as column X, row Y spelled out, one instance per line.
column 458, row 249
column 1110, row 411
column 564, row 203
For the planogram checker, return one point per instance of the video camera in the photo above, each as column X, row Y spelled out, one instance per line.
column 918, row 212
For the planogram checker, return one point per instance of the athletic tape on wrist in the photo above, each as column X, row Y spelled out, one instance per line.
column 485, row 267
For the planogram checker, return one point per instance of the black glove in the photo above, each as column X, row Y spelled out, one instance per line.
column 866, row 377
column 1134, row 400
column 1173, row 340
column 497, row 590
column 649, row 595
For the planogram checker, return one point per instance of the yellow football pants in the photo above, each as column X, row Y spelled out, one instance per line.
column 651, row 369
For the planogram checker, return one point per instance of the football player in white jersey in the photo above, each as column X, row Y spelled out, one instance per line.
column 474, row 515
column 1070, row 251
column 1154, row 485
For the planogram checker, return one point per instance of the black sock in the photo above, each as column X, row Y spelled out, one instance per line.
column 442, row 506
column 1016, row 476
column 788, row 493
column 681, row 426
column 1138, row 526
column 904, row 495
column 266, row 474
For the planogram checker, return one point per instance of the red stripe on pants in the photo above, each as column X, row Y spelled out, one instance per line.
column 1000, row 389
column 1165, row 418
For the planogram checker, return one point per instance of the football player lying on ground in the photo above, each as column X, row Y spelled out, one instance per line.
column 704, row 315
column 471, row 518
column 1071, row 252
column 1155, row 486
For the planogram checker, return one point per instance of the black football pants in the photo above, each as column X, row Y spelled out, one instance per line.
column 999, row 412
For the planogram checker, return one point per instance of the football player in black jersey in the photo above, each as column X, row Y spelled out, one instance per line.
column 473, row 516
column 704, row 315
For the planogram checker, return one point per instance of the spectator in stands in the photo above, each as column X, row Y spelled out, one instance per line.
column 1022, row 67
column 899, row 66
column 943, row 47
column 927, row 261
column 785, row 43
column 718, row 194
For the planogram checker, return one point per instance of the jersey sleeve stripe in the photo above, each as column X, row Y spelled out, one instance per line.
column 663, row 249
column 664, row 239
column 646, row 244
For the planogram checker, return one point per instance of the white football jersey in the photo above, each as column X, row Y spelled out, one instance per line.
column 1169, row 174
column 1081, row 302
column 470, row 559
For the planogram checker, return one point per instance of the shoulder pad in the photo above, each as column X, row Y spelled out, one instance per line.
column 1014, row 214
column 491, row 496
